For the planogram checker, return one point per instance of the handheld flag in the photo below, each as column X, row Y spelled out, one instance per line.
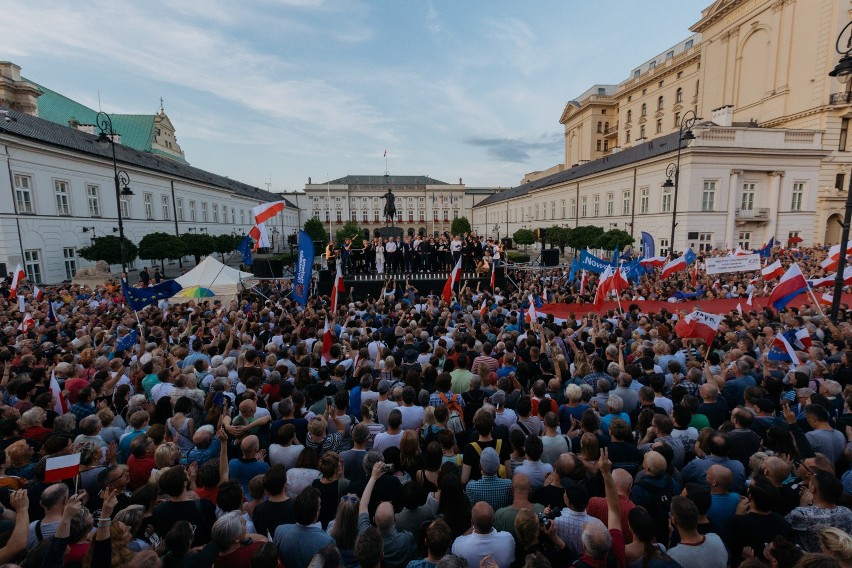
column 451, row 281
column 22, row 304
column 781, row 350
column 484, row 309
column 583, row 283
column 260, row 235
column 493, row 277
column 244, row 248
column 27, row 323
column 139, row 298
column 766, row 251
column 61, row 406
column 337, row 288
column 740, row 308
column 673, row 266
column 531, row 315
column 38, row 294
column 51, row 315
column 773, row 271
column 19, row 276
column 128, row 341
column 327, row 342
column 61, row 468
column 791, row 285
column 826, row 299
column 603, row 287
column 803, row 338
column 266, row 211
column 700, row 325
column 653, row 262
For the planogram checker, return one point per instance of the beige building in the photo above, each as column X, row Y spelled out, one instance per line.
column 771, row 142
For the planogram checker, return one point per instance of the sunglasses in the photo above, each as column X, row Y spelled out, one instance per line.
column 350, row 498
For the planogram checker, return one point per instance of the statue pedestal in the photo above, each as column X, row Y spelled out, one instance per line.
column 390, row 232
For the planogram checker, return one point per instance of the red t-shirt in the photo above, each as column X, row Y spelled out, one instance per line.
column 616, row 549
column 140, row 470
column 597, row 508
column 240, row 558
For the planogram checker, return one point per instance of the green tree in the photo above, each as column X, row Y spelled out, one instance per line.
column 316, row 230
column 160, row 246
column 351, row 230
column 523, row 237
column 612, row 238
column 225, row 244
column 557, row 236
column 107, row 248
column 585, row 236
column 198, row 245
column 459, row 226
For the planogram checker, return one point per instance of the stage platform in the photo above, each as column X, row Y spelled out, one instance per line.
column 371, row 285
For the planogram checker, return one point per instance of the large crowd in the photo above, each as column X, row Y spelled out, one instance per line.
column 227, row 433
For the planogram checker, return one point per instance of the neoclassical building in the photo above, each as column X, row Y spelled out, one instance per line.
column 770, row 157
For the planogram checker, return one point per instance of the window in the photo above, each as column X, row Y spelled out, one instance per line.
column 790, row 236
column 70, row 256
column 215, row 213
column 32, row 266
column 679, row 95
column 687, row 45
column 629, row 98
column 583, row 210
column 224, row 214
column 598, row 145
column 660, row 103
column 708, row 196
column 839, row 182
column 627, row 137
column 600, row 127
column 625, row 203
column 596, row 205
column 664, row 247
column 125, row 207
column 705, row 242
column 635, row 73
column 677, row 120
column 60, row 190
column 573, row 208
column 242, row 217
column 642, row 132
column 679, row 74
column 666, row 201
column 234, row 216
column 563, row 208
column 376, row 216
column 747, row 198
column 456, row 214
column 670, row 54
column 536, row 211
column 844, row 129
column 652, row 65
column 744, row 240
column 339, row 216
column 644, row 109
column 192, row 210
column 422, row 214
column 93, row 195
column 365, row 216
column 606, row 145
column 180, row 209
column 602, row 92
column 610, row 204
column 23, row 193
column 204, row 211
column 606, row 127
column 644, row 198
column 149, row 206
column 659, row 125
column 798, row 194
column 167, row 214
column 629, row 116
column 553, row 210
column 337, row 202
column 644, row 92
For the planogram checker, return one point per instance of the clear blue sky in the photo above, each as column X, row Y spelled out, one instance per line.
column 287, row 89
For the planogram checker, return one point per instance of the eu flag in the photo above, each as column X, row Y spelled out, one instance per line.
column 128, row 341
column 244, row 248
column 138, row 298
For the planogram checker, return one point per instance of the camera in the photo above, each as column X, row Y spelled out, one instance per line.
column 387, row 468
column 545, row 519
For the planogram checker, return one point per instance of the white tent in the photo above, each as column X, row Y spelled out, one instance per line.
column 222, row 280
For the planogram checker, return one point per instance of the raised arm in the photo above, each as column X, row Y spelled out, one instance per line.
column 364, row 505
column 18, row 541
column 612, row 503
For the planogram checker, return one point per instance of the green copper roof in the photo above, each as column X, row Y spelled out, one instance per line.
column 391, row 180
column 136, row 130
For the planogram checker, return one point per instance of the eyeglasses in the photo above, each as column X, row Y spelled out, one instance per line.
column 350, row 498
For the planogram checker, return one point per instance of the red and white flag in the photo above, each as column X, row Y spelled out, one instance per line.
column 673, row 266
column 603, row 287
column 260, row 236
column 654, row 261
column 773, row 271
column 700, row 325
column 451, row 282
column 27, row 323
column 741, row 252
column 750, row 297
column 493, row 277
column 740, row 308
column 61, row 406
column 583, row 283
column 327, row 342
column 337, row 288
column 780, row 343
column 484, row 309
column 61, row 467
column 266, row 211
column 619, row 281
column 17, row 278
column 38, row 294
column 695, row 274
column 803, row 338
column 531, row 315
column 826, row 299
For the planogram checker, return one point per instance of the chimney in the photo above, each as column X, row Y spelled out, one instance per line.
column 724, row 116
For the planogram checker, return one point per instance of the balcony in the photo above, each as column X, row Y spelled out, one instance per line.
column 840, row 98
column 744, row 216
column 611, row 132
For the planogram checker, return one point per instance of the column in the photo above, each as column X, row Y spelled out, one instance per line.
column 774, row 203
column 731, row 220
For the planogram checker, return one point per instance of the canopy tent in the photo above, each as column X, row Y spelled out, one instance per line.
column 222, row 280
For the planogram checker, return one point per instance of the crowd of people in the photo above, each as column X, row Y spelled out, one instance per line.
column 229, row 433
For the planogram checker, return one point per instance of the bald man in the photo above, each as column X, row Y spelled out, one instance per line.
column 249, row 465
column 724, row 502
column 399, row 546
column 485, row 540
column 504, row 519
column 648, row 491
column 597, row 506
column 777, row 472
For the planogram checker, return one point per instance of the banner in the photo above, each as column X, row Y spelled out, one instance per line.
column 723, row 264
column 590, row 262
column 138, row 298
column 647, row 245
column 304, row 269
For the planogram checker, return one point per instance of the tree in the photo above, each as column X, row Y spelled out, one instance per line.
column 613, row 238
column 585, row 236
column 160, row 246
column 316, row 230
column 107, row 248
column 351, row 230
column 459, row 226
column 557, row 237
column 224, row 244
column 524, row 237
column 198, row 245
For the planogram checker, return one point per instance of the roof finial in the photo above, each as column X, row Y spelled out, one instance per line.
column 161, row 106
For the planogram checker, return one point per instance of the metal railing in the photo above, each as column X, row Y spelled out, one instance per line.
column 760, row 214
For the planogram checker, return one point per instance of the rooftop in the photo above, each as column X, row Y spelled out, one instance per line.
column 382, row 180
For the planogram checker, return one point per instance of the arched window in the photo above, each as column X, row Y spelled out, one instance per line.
column 606, row 127
column 644, row 109
column 679, row 95
column 629, row 116
column 660, row 102
column 599, row 127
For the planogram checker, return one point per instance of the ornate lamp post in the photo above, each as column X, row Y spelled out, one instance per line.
column 684, row 135
column 843, row 72
column 106, row 136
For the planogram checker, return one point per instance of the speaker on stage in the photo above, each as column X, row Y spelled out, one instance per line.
column 550, row 257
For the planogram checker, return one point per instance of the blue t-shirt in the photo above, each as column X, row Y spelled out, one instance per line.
column 242, row 470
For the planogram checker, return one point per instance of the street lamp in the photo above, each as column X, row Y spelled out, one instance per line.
column 843, row 72
column 106, row 136
column 684, row 134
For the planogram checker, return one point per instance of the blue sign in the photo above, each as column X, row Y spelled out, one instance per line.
column 304, row 269
column 590, row 262
column 647, row 245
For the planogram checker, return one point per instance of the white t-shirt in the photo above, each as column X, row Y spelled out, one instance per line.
column 412, row 417
column 384, row 441
column 474, row 547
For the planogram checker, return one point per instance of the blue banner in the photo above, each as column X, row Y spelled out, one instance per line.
column 633, row 270
column 304, row 269
column 244, row 248
column 590, row 262
column 574, row 265
column 138, row 298
column 648, row 245
column 689, row 256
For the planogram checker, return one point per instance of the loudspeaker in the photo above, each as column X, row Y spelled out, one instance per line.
column 550, row 257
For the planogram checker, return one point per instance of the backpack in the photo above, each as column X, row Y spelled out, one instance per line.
column 660, row 506
column 455, row 423
column 501, row 471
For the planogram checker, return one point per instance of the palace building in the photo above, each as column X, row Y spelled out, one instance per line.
column 769, row 158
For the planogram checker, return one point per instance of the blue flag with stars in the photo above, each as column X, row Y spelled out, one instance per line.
column 244, row 248
column 128, row 341
column 138, row 298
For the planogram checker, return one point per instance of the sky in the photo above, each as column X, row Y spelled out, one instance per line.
column 277, row 91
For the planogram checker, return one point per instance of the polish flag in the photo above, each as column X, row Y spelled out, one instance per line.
column 266, row 211
column 337, row 288
column 791, row 285
column 700, row 325
column 327, row 342
column 27, row 323
column 830, row 263
column 834, row 252
column 61, row 467
column 740, row 308
column 583, row 284
column 484, row 309
column 653, row 262
column 695, row 274
column 38, row 294
column 61, row 406
column 803, row 338
column 619, row 281
column 531, row 315
column 544, row 295
column 451, row 282
column 16, row 279
column 826, row 299
column 673, row 266
column 260, row 236
column 741, row 252
column 828, row 281
column 493, row 277
column 773, row 271
column 603, row 287
column 750, row 297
